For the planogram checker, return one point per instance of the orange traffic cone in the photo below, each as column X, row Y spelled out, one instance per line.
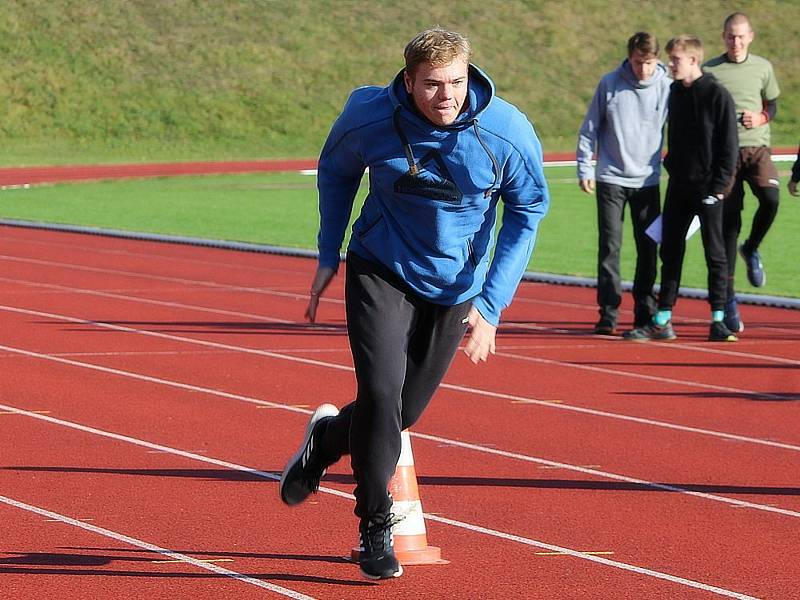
column 410, row 538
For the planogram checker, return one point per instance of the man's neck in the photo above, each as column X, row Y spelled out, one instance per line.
column 691, row 78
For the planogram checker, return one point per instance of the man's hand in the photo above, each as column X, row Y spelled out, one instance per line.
column 587, row 185
column 481, row 337
column 322, row 278
column 793, row 188
column 752, row 119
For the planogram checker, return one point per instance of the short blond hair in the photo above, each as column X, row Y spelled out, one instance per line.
column 690, row 44
column 436, row 46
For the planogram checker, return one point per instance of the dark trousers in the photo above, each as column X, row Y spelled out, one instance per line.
column 768, row 198
column 754, row 166
column 644, row 207
column 681, row 204
column 402, row 347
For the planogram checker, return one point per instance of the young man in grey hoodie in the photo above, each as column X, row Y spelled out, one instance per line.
column 625, row 125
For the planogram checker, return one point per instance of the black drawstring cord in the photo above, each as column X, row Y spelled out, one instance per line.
column 413, row 169
column 495, row 166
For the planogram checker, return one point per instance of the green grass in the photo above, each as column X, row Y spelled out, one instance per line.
column 281, row 209
column 147, row 80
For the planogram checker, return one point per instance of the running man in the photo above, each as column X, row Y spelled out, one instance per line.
column 442, row 150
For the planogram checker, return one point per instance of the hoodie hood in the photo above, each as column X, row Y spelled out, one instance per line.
column 626, row 72
column 479, row 94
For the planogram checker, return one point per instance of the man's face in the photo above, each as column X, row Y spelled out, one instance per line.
column 439, row 92
column 681, row 64
column 643, row 65
column 737, row 38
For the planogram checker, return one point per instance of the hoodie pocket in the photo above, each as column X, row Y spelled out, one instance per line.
column 368, row 229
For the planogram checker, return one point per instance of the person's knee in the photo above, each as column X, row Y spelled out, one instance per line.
column 769, row 198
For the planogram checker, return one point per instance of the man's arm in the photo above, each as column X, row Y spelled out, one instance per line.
column 525, row 202
column 725, row 144
column 795, row 178
column 587, row 138
column 339, row 173
column 751, row 119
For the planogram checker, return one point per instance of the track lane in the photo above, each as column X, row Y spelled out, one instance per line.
column 211, row 335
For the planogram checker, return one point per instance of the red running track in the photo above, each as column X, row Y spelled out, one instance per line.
column 150, row 394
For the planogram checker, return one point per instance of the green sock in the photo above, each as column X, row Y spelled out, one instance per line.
column 663, row 317
column 717, row 315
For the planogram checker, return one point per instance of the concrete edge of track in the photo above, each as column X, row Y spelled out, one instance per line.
column 763, row 300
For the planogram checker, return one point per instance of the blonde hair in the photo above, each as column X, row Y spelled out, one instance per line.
column 690, row 44
column 436, row 46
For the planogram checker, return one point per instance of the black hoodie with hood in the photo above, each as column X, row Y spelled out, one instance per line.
column 702, row 139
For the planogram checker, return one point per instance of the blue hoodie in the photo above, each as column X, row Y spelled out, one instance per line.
column 430, row 212
column 625, row 121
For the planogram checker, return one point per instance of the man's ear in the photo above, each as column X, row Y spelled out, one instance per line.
column 408, row 81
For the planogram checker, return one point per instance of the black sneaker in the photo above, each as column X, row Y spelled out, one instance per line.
column 376, row 554
column 755, row 268
column 304, row 470
column 733, row 320
column 651, row 331
column 605, row 326
column 719, row 332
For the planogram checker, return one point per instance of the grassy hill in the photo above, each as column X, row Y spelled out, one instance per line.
column 133, row 80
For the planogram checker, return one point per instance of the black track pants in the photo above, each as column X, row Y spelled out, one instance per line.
column 402, row 347
column 680, row 206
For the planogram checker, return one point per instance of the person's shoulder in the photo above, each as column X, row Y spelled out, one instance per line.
column 368, row 99
column 503, row 118
column 759, row 60
column 715, row 62
column 367, row 104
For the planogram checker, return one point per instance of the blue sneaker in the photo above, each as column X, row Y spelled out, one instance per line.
column 651, row 331
column 755, row 268
column 719, row 332
column 733, row 320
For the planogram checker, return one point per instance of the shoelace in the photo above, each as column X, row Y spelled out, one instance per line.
column 374, row 536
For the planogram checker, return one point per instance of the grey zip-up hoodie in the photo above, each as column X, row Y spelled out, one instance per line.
column 625, row 122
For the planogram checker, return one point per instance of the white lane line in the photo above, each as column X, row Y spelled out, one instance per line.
column 190, row 282
column 459, row 388
column 594, row 558
column 431, row 517
column 700, row 346
column 227, row 265
column 607, row 475
column 656, row 378
column 141, row 300
column 441, row 440
column 176, row 556
column 622, row 417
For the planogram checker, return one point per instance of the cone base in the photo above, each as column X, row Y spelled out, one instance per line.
column 429, row 555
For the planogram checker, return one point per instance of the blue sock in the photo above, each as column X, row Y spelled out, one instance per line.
column 663, row 317
column 717, row 315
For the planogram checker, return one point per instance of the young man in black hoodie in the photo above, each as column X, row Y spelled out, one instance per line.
column 703, row 147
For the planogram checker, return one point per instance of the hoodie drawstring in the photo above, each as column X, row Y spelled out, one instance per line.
column 495, row 166
column 413, row 169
